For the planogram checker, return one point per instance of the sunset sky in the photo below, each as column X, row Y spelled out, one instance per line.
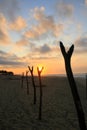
column 30, row 31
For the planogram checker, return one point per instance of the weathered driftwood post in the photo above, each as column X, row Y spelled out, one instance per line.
column 31, row 71
column 27, row 82
column 86, row 86
column 22, row 80
column 39, row 70
column 77, row 102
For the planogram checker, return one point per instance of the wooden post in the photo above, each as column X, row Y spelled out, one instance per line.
column 86, row 86
column 22, row 80
column 67, row 58
column 31, row 71
column 27, row 82
column 41, row 92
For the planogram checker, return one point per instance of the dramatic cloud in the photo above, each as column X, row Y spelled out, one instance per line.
column 64, row 9
column 43, row 57
column 81, row 44
column 4, row 36
column 9, row 8
column 22, row 42
column 2, row 53
column 18, row 24
column 10, row 59
column 44, row 49
column 45, row 24
column 10, row 63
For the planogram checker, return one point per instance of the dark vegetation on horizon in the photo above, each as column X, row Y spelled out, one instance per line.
column 4, row 72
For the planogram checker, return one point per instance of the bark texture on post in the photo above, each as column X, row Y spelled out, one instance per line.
column 27, row 82
column 41, row 93
column 31, row 71
column 67, row 58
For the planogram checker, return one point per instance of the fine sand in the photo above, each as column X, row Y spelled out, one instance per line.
column 17, row 111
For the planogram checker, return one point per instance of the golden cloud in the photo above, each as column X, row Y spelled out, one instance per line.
column 22, row 42
column 18, row 24
column 4, row 35
column 45, row 24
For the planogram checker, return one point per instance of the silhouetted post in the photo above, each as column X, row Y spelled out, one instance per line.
column 27, row 82
column 22, row 80
column 86, row 86
column 31, row 71
column 77, row 102
column 41, row 93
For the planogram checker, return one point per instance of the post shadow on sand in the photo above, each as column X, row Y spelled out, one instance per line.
column 67, row 58
column 33, row 82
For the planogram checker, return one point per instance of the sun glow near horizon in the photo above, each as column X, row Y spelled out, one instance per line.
column 51, row 66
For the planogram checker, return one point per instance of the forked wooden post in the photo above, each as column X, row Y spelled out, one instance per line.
column 27, row 82
column 41, row 92
column 77, row 102
column 22, row 80
column 31, row 71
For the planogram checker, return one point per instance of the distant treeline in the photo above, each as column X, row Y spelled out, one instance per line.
column 4, row 72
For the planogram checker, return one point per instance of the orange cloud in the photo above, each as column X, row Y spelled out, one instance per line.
column 45, row 24
column 81, row 44
column 22, row 42
column 18, row 24
column 4, row 35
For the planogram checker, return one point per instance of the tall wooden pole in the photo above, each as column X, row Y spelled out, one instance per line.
column 22, row 80
column 86, row 86
column 77, row 102
column 27, row 82
column 41, row 92
column 31, row 71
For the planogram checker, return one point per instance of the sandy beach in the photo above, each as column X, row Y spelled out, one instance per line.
column 17, row 111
